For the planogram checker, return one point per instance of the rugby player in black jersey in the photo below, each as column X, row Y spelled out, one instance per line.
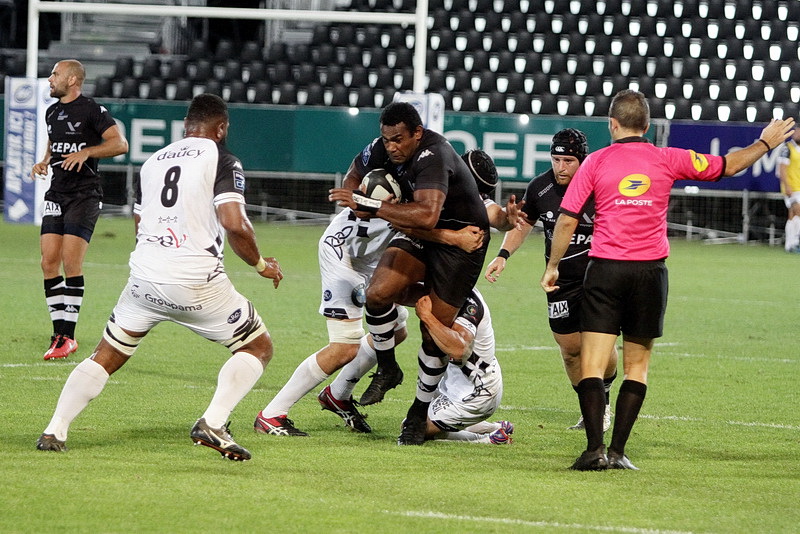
column 542, row 200
column 80, row 132
column 441, row 193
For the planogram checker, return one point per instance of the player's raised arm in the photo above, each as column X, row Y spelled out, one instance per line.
column 506, row 218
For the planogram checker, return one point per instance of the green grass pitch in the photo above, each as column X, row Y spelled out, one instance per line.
column 718, row 440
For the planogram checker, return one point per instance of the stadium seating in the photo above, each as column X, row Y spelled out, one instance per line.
column 151, row 68
column 545, row 56
column 103, row 87
column 156, row 89
column 184, row 89
column 129, row 89
column 123, row 68
column 237, row 92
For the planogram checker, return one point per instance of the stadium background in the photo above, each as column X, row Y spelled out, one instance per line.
column 713, row 70
column 717, row 440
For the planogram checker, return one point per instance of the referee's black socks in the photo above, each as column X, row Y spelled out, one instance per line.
column 592, row 398
column 629, row 401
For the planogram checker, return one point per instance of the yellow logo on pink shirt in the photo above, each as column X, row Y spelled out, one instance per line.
column 634, row 185
column 699, row 161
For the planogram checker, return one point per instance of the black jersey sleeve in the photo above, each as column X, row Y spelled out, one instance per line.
column 531, row 209
column 373, row 156
column 230, row 174
column 100, row 118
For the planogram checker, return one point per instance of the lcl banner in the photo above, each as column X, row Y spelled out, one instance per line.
column 26, row 101
column 719, row 139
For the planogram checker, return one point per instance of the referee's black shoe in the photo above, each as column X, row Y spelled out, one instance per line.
column 619, row 461
column 382, row 381
column 595, row 460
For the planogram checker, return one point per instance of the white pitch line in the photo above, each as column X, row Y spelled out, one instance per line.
column 725, row 301
column 540, row 524
column 509, row 348
column 767, row 425
column 73, row 363
column 671, row 418
column 779, row 426
column 512, row 348
column 748, row 359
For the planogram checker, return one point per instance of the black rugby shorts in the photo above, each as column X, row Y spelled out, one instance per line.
column 564, row 308
column 449, row 271
column 625, row 296
column 79, row 213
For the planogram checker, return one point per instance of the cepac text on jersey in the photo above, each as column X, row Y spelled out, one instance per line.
column 66, row 148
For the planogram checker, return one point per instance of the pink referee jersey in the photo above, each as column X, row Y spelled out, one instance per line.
column 631, row 182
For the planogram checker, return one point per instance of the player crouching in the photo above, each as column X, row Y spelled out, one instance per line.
column 472, row 386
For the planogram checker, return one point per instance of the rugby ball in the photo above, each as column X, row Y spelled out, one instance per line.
column 380, row 185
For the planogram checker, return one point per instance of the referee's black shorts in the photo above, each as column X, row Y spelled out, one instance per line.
column 71, row 213
column 449, row 271
column 625, row 296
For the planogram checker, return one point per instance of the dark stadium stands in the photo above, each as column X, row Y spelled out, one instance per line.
column 696, row 59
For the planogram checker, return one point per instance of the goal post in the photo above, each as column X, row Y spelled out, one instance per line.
column 418, row 19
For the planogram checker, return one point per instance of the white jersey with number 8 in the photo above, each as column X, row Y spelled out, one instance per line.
column 180, row 239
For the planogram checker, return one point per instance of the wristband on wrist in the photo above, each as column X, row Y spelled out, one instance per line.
column 260, row 266
column 765, row 144
column 365, row 203
column 503, row 253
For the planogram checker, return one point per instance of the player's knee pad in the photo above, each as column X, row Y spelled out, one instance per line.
column 120, row 340
column 349, row 332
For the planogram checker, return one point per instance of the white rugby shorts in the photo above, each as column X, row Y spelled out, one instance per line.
column 460, row 404
column 214, row 310
column 343, row 287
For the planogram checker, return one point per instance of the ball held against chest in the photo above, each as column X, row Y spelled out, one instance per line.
column 380, row 185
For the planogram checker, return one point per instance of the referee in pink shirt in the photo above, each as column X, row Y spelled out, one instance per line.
column 625, row 288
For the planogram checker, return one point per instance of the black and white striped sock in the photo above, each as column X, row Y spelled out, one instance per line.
column 54, row 297
column 380, row 324
column 73, row 299
column 431, row 371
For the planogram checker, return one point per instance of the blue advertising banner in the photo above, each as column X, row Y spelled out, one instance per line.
column 25, row 141
column 719, row 139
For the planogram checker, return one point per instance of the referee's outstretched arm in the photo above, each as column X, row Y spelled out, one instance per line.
column 772, row 136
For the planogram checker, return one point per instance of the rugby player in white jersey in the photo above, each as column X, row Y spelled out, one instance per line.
column 349, row 250
column 191, row 197
column 472, row 386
